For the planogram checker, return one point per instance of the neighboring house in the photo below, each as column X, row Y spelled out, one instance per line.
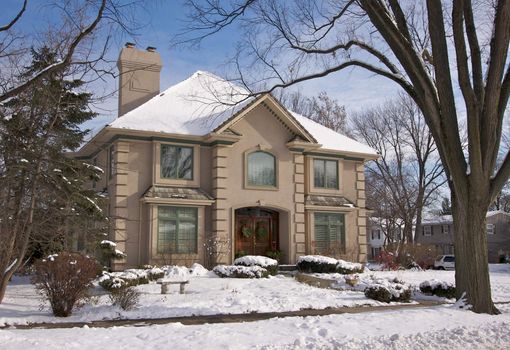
column 379, row 234
column 438, row 231
column 182, row 171
column 375, row 241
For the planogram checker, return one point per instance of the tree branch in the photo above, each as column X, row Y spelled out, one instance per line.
column 500, row 178
column 15, row 19
column 59, row 65
column 396, row 78
column 400, row 19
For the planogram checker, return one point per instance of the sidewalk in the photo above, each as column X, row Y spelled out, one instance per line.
column 224, row 318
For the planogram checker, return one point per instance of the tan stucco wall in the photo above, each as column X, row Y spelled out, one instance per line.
column 220, row 171
column 261, row 130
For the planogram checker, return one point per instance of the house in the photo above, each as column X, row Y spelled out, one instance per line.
column 381, row 233
column 200, row 170
column 439, row 231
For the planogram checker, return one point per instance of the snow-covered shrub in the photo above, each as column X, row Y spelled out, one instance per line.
column 324, row 264
column 438, row 288
column 387, row 290
column 379, row 293
column 125, row 297
column 347, row 268
column 64, row 280
column 271, row 265
column 316, row 263
column 238, row 271
column 198, row 270
column 155, row 273
column 130, row 278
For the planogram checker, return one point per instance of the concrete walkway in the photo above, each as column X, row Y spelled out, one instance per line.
column 224, row 318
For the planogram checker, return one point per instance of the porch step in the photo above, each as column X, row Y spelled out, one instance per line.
column 287, row 268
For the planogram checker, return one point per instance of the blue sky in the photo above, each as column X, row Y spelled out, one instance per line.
column 354, row 88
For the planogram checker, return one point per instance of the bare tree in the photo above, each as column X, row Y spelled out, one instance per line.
column 321, row 109
column 409, row 169
column 420, row 46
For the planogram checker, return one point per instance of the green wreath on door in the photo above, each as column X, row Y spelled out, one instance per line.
column 261, row 230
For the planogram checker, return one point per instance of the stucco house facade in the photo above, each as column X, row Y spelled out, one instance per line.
column 439, row 231
column 200, row 169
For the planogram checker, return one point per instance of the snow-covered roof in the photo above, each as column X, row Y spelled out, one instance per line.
column 203, row 102
column 448, row 219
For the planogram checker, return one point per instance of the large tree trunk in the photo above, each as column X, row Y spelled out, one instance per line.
column 471, row 258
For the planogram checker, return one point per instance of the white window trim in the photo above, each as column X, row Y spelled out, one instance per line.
column 491, row 229
column 428, row 232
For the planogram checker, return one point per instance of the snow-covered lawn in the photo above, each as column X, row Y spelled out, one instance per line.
column 208, row 295
column 440, row 327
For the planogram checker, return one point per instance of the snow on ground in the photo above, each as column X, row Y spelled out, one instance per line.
column 204, row 296
column 208, row 295
column 442, row 327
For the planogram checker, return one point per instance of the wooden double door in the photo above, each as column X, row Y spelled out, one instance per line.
column 256, row 231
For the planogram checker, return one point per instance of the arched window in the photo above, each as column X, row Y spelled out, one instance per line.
column 261, row 169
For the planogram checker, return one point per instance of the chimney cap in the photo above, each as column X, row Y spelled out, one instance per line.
column 130, row 44
column 151, row 48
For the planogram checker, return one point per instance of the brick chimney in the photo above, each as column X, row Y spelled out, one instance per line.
column 139, row 72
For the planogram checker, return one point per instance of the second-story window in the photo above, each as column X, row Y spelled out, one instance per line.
column 261, row 169
column 325, row 173
column 176, row 162
column 427, row 230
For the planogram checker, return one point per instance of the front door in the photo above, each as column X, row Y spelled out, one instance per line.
column 256, row 231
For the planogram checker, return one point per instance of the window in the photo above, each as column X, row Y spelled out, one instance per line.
column 261, row 169
column 490, row 229
column 329, row 231
column 111, row 161
column 376, row 252
column 325, row 173
column 376, row 234
column 177, row 230
column 176, row 162
column 445, row 229
column 427, row 230
column 449, row 258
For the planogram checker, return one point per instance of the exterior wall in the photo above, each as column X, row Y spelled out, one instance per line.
column 374, row 240
column 443, row 241
column 497, row 243
column 351, row 186
column 220, row 170
column 229, row 175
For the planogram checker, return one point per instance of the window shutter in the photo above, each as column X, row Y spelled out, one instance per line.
column 321, row 237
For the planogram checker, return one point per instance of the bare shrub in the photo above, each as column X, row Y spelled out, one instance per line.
column 125, row 297
column 337, row 250
column 217, row 250
column 64, row 280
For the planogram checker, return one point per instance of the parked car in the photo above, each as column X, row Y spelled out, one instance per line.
column 444, row 262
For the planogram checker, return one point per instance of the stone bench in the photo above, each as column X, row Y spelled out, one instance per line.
column 165, row 285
